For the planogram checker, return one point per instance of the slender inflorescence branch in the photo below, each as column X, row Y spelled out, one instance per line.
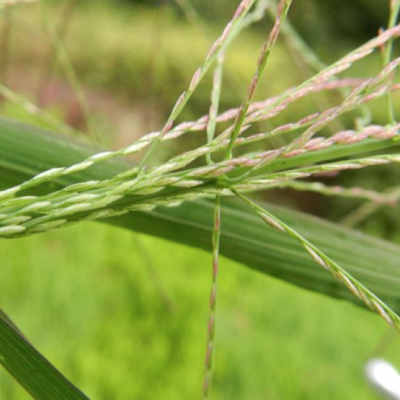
column 355, row 287
column 263, row 183
column 394, row 14
column 340, row 191
column 358, row 94
column 366, row 210
column 304, row 54
column 268, row 46
column 328, row 73
column 215, row 100
column 210, row 352
column 213, row 54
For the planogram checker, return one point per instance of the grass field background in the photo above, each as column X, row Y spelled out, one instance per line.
column 87, row 298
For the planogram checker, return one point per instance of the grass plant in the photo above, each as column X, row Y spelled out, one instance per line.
column 46, row 192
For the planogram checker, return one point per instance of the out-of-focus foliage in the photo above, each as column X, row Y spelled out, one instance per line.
column 333, row 18
column 120, row 341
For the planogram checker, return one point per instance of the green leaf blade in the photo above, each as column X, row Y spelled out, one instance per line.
column 37, row 375
column 26, row 151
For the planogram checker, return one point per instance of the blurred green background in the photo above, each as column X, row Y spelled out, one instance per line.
column 125, row 316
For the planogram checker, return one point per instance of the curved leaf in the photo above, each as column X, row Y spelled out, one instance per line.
column 26, row 151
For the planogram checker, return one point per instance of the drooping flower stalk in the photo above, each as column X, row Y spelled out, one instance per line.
column 210, row 352
column 355, row 287
column 211, row 126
